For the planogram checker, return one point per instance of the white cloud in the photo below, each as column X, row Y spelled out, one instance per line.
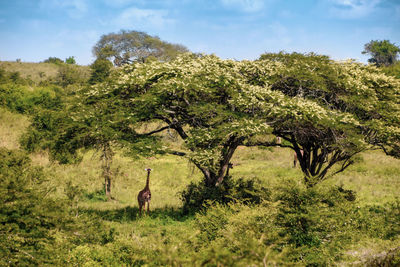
column 245, row 5
column 74, row 8
column 351, row 9
column 134, row 17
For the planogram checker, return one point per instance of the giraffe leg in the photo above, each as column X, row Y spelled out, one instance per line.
column 148, row 207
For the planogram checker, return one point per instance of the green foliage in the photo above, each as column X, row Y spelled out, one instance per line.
column 101, row 70
column 12, row 77
column 393, row 70
column 194, row 96
column 36, row 229
column 328, row 111
column 70, row 60
column 18, row 98
column 133, row 46
column 69, row 75
column 383, row 53
column 196, row 196
column 54, row 60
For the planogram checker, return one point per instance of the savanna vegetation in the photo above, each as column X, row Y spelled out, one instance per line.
column 220, row 137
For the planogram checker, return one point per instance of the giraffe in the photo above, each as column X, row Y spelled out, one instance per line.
column 145, row 195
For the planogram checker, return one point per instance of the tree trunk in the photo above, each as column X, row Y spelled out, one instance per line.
column 107, row 186
column 107, row 155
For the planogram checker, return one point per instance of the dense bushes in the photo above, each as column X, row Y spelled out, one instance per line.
column 196, row 195
column 21, row 99
column 304, row 226
column 36, row 229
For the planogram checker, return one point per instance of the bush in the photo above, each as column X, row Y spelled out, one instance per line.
column 18, row 98
column 70, row 60
column 36, row 229
column 196, row 195
column 54, row 60
column 68, row 75
column 101, row 69
column 27, row 217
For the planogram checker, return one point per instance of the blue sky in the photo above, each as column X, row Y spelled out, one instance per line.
column 33, row 30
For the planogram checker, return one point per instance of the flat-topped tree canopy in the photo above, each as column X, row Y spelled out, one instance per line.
column 330, row 110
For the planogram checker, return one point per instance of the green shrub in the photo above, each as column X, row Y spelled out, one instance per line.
column 315, row 222
column 18, row 98
column 195, row 196
column 27, row 217
column 69, row 75
column 36, row 229
column 54, row 60
column 101, row 69
column 70, row 60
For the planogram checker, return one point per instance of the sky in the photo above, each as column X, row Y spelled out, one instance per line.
column 34, row 30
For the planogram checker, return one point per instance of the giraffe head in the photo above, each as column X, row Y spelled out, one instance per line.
column 148, row 170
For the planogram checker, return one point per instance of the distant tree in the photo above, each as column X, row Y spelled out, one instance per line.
column 132, row 46
column 70, row 60
column 383, row 53
column 54, row 60
column 101, row 69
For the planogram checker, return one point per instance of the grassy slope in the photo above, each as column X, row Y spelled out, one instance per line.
column 38, row 72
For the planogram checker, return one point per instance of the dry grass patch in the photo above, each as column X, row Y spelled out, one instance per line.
column 38, row 72
column 11, row 128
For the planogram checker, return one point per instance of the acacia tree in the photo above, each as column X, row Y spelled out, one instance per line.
column 127, row 47
column 327, row 111
column 193, row 96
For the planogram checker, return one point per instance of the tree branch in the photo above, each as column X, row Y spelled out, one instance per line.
column 177, row 153
column 156, row 131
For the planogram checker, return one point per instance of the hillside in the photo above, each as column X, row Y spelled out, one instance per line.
column 38, row 72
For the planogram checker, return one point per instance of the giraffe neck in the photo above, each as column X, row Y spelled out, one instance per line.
column 148, row 180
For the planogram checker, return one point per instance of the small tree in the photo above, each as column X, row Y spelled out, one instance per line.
column 54, row 60
column 383, row 53
column 132, row 46
column 101, row 70
column 84, row 123
column 70, row 60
